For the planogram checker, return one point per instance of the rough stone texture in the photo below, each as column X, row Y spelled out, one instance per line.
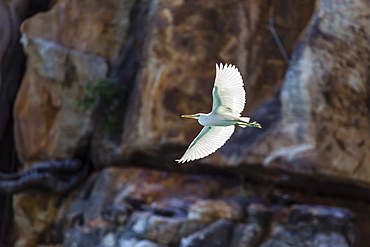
column 12, row 12
column 217, row 234
column 103, row 235
column 132, row 242
column 307, row 225
column 95, row 233
column 246, row 235
column 211, row 210
column 264, row 63
column 116, row 213
column 86, row 216
column 92, row 28
column 34, row 215
column 324, row 127
column 151, row 188
column 57, row 128
column 162, row 229
column 177, row 72
column 112, row 195
column 315, row 121
column 66, row 46
column 114, row 185
column 173, row 72
column 154, row 191
column 146, row 243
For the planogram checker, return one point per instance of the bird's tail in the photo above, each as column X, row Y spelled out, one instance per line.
column 244, row 122
column 244, row 119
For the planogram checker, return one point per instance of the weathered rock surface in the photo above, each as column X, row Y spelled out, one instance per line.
column 247, row 235
column 57, row 128
column 184, row 40
column 216, row 235
column 12, row 59
column 324, row 125
column 148, row 201
column 82, row 216
column 304, row 225
column 214, row 209
column 163, row 229
column 34, row 215
column 316, row 121
column 66, row 46
column 123, row 187
column 91, row 28
column 312, row 133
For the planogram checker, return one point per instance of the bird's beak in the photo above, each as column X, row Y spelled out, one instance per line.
column 188, row 116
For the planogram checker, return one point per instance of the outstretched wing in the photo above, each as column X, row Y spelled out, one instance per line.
column 208, row 141
column 228, row 92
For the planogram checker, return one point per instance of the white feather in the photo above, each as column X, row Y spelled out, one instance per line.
column 228, row 103
column 228, row 91
column 208, row 141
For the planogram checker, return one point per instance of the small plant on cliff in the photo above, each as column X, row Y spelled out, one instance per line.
column 244, row 193
column 102, row 89
column 104, row 97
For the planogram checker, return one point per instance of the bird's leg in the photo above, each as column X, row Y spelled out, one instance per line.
column 253, row 124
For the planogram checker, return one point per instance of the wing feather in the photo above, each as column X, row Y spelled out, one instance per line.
column 228, row 91
column 208, row 141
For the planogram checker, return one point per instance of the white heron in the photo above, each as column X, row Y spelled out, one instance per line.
column 228, row 103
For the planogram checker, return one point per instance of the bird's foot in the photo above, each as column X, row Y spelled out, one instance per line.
column 257, row 125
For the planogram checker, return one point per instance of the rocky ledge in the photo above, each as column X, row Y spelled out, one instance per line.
column 132, row 207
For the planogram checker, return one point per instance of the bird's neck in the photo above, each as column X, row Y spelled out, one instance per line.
column 203, row 118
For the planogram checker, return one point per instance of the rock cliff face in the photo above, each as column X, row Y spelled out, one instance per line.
column 11, row 69
column 66, row 46
column 314, row 110
column 168, row 210
column 324, row 125
column 183, row 41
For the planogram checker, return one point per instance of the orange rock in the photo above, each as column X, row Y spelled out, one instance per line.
column 92, row 28
column 184, row 41
column 211, row 210
column 324, row 125
column 34, row 214
column 48, row 123
column 66, row 46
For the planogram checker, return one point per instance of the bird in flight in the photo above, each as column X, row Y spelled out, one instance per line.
column 228, row 103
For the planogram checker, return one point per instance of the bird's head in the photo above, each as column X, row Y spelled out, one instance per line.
column 195, row 116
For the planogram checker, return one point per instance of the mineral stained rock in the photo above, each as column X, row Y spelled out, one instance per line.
column 67, row 46
column 324, row 123
column 11, row 69
column 318, row 123
column 261, row 225
column 184, row 40
column 304, row 227
column 315, row 119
